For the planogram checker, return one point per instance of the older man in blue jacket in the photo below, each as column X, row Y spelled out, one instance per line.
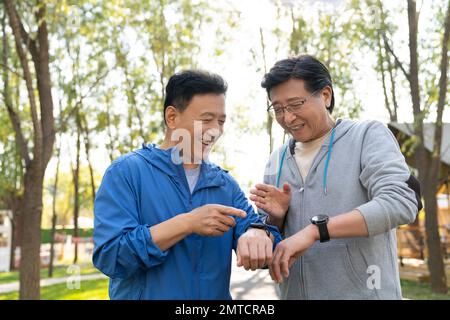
column 166, row 219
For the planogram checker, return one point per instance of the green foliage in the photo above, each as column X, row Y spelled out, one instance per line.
column 331, row 38
column 65, row 197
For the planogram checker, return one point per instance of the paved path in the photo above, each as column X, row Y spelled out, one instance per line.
column 257, row 285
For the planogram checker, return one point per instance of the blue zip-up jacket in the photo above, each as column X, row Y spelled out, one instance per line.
column 144, row 188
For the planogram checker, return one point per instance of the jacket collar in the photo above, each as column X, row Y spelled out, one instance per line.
column 210, row 174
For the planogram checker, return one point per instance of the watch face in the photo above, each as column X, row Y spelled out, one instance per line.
column 321, row 218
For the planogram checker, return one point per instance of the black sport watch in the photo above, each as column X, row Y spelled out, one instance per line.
column 321, row 222
column 260, row 226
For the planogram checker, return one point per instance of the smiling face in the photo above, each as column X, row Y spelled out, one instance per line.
column 313, row 119
column 201, row 123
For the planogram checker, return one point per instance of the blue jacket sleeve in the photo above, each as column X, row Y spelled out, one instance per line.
column 242, row 224
column 122, row 245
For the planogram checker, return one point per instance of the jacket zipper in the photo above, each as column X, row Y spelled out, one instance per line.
column 301, row 191
column 185, row 186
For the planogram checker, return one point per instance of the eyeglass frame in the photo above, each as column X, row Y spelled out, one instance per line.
column 286, row 107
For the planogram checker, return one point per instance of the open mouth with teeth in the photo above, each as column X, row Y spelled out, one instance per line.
column 207, row 142
column 297, row 127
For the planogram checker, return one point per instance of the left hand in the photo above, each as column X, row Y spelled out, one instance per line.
column 289, row 250
column 254, row 249
column 271, row 199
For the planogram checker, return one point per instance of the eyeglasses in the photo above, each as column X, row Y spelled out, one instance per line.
column 294, row 107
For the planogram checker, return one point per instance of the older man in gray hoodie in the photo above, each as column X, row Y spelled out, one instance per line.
column 337, row 190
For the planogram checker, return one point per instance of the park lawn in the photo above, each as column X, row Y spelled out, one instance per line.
column 58, row 272
column 89, row 290
column 421, row 291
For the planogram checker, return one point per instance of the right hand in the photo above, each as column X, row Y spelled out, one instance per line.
column 271, row 199
column 213, row 219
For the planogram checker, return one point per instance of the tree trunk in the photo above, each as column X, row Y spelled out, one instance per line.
column 30, row 260
column 52, row 233
column 87, row 148
column 428, row 174
column 12, row 249
column 16, row 230
column 269, row 126
column 43, row 137
column 436, row 265
column 76, row 184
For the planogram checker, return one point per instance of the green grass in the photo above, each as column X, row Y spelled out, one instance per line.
column 58, row 272
column 89, row 290
column 420, row 291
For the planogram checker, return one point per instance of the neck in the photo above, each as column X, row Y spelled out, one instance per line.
column 330, row 123
column 190, row 165
column 168, row 143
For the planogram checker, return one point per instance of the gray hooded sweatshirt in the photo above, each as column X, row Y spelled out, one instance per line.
column 362, row 169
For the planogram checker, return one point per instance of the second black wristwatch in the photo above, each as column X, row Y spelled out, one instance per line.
column 321, row 222
column 260, row 226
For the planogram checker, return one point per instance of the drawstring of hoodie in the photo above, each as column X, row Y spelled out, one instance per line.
column 281, row 166
column 327, row 161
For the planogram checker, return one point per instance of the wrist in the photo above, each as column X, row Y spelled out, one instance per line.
column 275, row 220
column 312, row 232
column 186, row 219
column 258, row 231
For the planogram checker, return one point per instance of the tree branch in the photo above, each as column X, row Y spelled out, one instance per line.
column 44, row 85
column 14, row 117
column 397, row 61
column 63, row 121
column 27, row 40
column 15, row 26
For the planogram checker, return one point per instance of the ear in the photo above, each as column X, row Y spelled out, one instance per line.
column 327, row 94
column 171, row 116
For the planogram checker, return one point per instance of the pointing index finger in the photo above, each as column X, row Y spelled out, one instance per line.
column 232, row 211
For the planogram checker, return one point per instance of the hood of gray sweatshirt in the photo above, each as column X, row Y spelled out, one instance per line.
column 362, row 168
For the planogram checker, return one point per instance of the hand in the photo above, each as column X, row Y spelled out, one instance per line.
column 213, row 219
column 289, row 250
column 254, row 249
column 271, row 199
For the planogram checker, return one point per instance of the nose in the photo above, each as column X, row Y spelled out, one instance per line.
column 212, row 132
column 288, row 117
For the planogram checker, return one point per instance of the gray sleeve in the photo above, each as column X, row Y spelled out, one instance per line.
column 384, row 174
column 270, row 173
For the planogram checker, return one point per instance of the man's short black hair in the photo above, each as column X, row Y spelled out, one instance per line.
column 182, row 87
column 304, row 67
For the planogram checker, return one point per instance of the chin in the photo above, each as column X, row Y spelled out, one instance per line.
column 300, row 137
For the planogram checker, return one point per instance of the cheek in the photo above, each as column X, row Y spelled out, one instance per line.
column 313, row 121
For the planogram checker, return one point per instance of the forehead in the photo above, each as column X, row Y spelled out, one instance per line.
column 292, row 88
column 209, row 103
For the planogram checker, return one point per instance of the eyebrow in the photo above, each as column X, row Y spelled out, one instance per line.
column 289, row 100
column 296, row 98
column 210, row 114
